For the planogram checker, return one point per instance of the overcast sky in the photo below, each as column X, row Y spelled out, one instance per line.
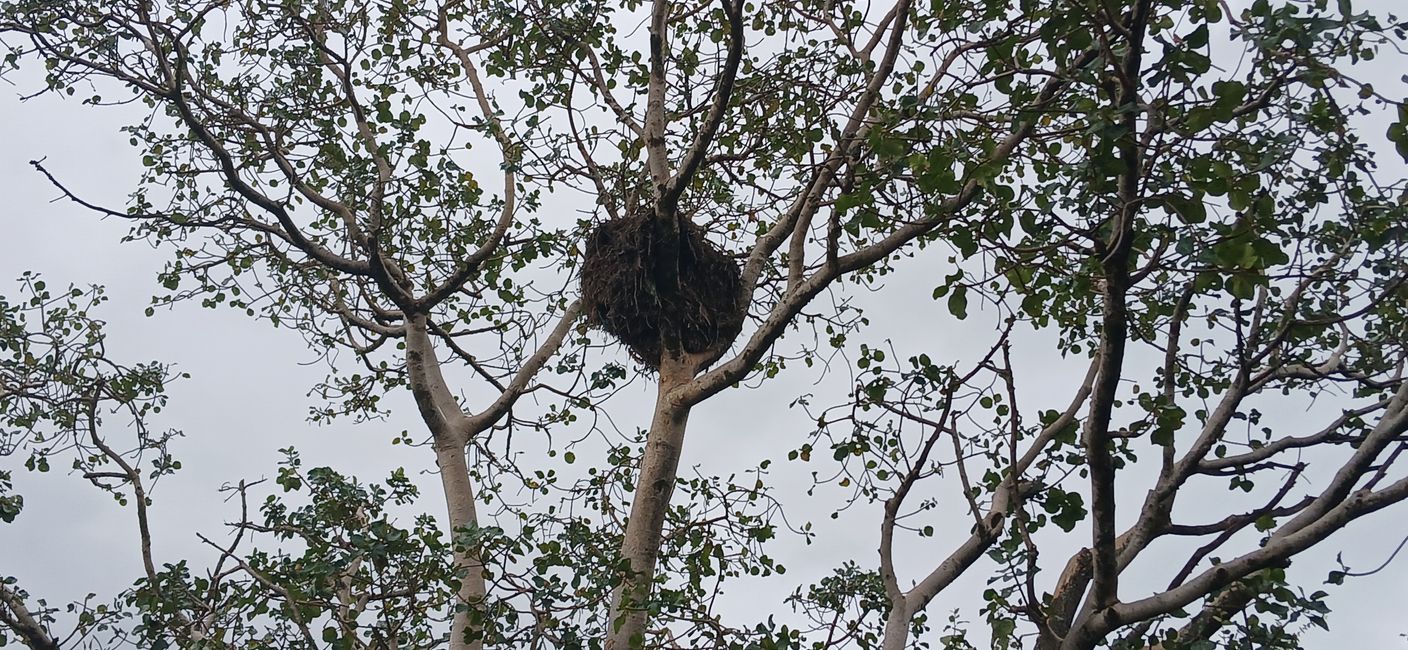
column 247, row 398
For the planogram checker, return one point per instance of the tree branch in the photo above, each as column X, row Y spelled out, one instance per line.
column 21, row 621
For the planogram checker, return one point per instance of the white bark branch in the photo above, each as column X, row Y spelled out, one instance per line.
column 16, row 616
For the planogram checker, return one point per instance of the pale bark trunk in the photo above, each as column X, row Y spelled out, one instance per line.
column 897, row 627
column 641, row 546
column 15, row 615
column 452, row 429
column 459, row 495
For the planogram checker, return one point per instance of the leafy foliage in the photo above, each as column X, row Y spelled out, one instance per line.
column 1183, row 198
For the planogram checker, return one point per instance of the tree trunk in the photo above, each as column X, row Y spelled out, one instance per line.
column 641, row 546
column 459, row 494
column 897, row 626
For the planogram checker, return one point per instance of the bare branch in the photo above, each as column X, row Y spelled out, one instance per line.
column 723, row 92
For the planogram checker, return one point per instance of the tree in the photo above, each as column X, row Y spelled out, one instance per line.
column 1215, row 239
column 59, row 387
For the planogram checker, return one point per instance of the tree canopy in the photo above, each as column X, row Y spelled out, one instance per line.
column 1199, row 202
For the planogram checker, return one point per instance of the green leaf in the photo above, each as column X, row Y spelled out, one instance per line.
column 1189, row 209
column 1398, row 131
column 958, row 302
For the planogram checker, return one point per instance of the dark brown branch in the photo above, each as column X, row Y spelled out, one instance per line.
column 723, row 93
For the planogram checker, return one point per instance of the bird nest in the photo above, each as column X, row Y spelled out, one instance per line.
column 624, row 297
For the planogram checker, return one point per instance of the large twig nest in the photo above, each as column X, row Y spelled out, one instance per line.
column 624, row 298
